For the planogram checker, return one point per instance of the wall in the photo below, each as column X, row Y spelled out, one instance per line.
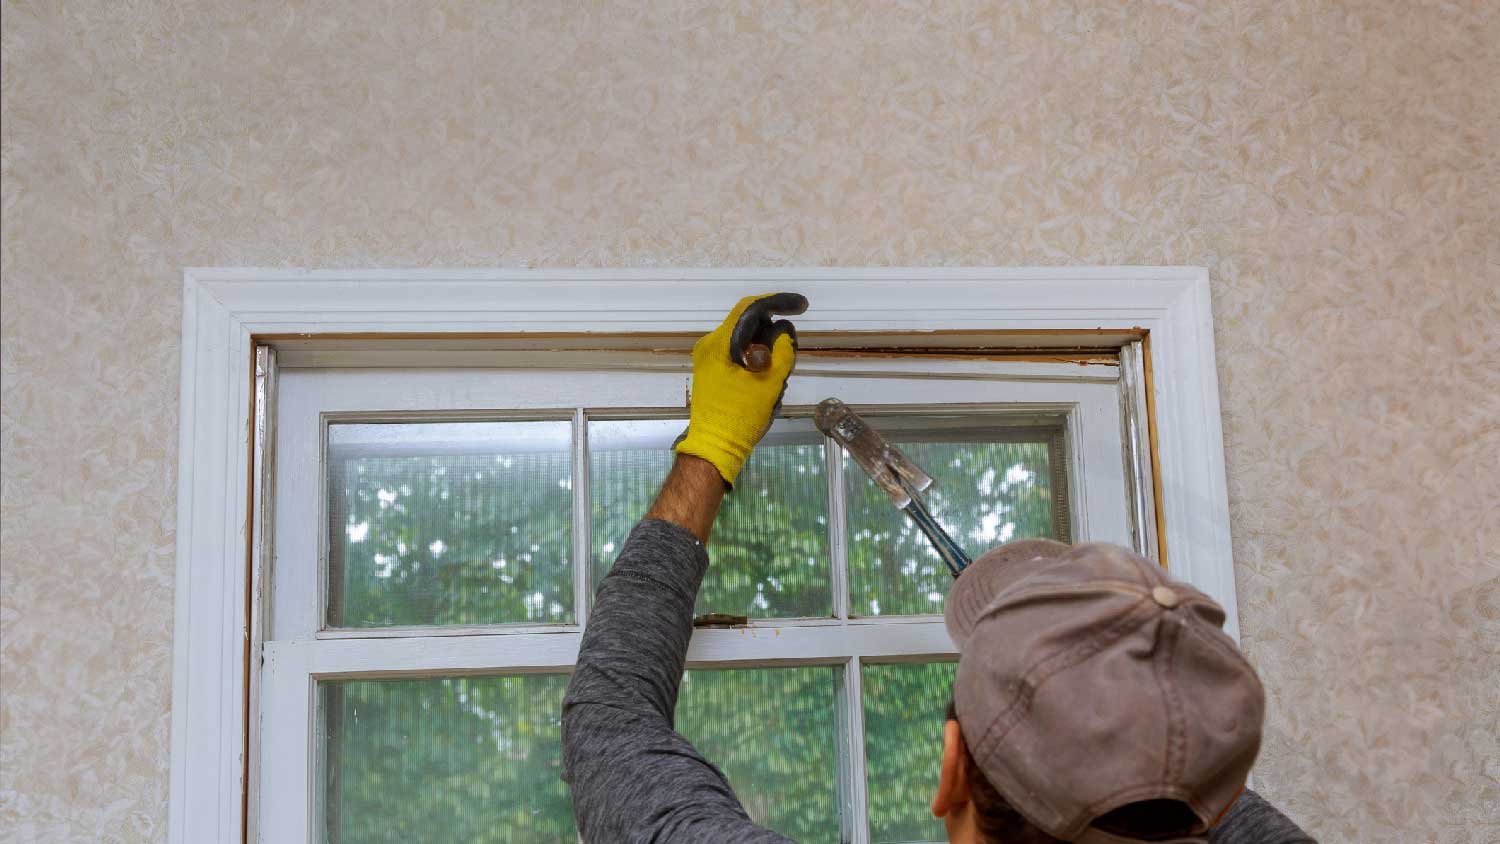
column 1327, row 161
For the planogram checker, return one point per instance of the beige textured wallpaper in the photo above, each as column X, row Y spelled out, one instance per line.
column 1331, row 163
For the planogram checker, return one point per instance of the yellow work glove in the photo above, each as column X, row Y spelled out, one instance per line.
column 730, row 407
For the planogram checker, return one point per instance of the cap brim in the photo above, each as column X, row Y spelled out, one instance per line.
column 985, row 577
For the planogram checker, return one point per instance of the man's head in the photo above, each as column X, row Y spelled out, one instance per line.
column 1097, row 700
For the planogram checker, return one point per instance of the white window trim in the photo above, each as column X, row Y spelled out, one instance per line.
column 298, row 657
column 224, row 310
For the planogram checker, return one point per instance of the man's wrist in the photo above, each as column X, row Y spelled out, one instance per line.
column 690, row 496
column 723, row 440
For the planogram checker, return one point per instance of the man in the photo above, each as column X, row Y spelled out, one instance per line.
column 1096, row 699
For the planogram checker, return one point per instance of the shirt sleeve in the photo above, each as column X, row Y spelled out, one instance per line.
column 633, row 777
column 1251, row 820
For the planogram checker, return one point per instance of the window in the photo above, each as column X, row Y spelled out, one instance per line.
column 440, row 482
column 432, row 526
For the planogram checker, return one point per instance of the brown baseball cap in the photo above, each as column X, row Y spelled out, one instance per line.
column 1089, row 680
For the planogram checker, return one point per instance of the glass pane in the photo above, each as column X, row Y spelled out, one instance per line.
column 445, row 759
column 904, row 710
column 991, row 485
column 449, row 523
column 770, row 543
column 771, row 731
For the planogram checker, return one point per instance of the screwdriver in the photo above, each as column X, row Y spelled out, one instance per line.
column 897, row 475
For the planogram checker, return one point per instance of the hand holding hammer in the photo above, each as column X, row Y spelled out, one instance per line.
column 740, row 372
column 757, row 329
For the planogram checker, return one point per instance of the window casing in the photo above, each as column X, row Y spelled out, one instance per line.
column 444, row 318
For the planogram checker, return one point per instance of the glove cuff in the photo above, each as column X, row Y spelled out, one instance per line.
column 727, row 454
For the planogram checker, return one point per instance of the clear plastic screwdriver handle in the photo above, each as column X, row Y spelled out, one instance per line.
column 896, row 474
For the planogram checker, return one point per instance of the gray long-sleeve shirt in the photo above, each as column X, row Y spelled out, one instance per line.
column 634, row 779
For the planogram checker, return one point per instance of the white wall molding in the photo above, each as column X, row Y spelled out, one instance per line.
column 208, row 656
column 224, row 309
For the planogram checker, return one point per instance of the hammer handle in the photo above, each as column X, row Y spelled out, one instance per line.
column 757, row 357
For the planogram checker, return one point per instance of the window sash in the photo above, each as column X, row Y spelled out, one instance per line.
column 1098, row 505
column 299, row 652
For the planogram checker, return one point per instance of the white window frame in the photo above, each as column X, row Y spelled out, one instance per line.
column 227, row 312
column 301, row 654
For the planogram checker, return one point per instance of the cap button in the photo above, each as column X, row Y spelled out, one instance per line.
column 1164, row 596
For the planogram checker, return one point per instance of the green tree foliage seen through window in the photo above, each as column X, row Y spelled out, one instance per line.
column 477, row 758
column 770, row 543
column 984, row 494
column 771, row 731
column 428, row 528
column 447, row 759
column 904, row 710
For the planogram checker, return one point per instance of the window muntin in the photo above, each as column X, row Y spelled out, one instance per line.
column 304, row 655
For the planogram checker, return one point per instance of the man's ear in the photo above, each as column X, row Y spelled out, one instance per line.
column 953, row 784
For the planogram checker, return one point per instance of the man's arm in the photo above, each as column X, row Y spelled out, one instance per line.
column 633, row 778
column 1251, row 820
